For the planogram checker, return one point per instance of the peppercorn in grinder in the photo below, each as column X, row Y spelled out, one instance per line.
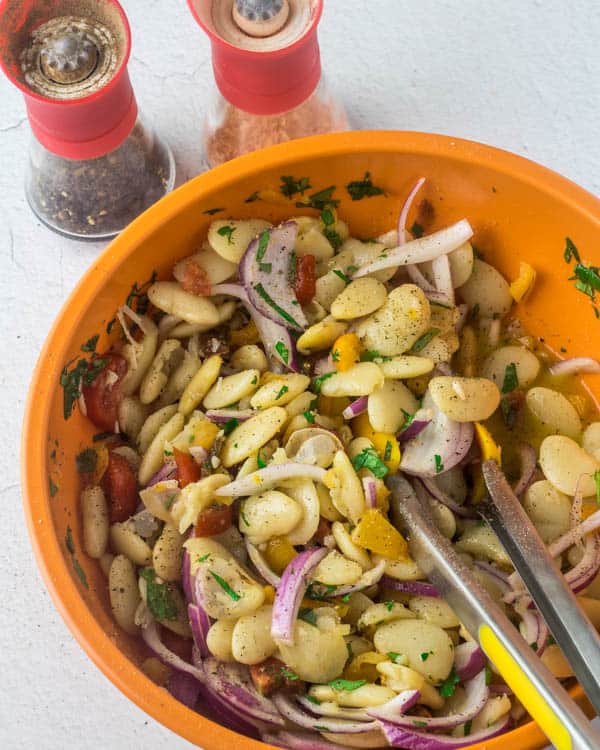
column 267, row 69
column 94, row 165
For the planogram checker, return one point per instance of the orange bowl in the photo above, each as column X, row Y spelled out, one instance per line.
column 519, row 211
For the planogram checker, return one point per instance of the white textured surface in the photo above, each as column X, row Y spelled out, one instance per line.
column 520, row 74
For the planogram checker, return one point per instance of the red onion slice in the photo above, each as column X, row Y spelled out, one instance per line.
column 575, row 365
column 265, row 275
column 333, row 710
column 419, row 588
column 288, row 708
column 499, row 576
column 528, row 463
column 442, row 437
column 261, row 565
column 430, row 486
column 356, row 407
column 442, row 277
column 421, row 249
column 232, row 682
column 200, row 624
column 418, row 279
column 413, row 740
column 166, row 471
column 421, row 419
column 289, row 595
column 370, row 578
column 591, row 523
column 224, row 415
column 534, row 631
column 469, row 660
column 186, row 577
column 394, row 711
column 587, row 569
column 370, row 490
column 198, row 453
column 151, row 636
column 184, row 688
column 265, row 478
column 300, row 741
column 406, row 208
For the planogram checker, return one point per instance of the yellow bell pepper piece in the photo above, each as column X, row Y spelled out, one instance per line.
column 374, row 532
column 364, row 666
column 279, row 554
column 382, row 496
column 346, row 351
column 388, row 448
column 204, row 434
column 487, row 444
column 523, row 284
column 269, row 594
column 361, row 427
column 246, row 335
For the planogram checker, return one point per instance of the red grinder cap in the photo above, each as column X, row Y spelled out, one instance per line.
column 258, row 75
column 69, row 58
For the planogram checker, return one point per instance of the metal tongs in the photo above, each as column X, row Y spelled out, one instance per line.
column 559, row 717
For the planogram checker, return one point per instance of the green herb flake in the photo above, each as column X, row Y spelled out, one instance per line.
column 327, row 217
column 90, row 344
column 511, row 380
column 225, row 586
column 86, row 461
column 226, row 231
column 349, row 650
column 425, row 655
column 265, row 267
column 368, row 459
column 69, row 541
column 137, row 298
column 467, row 727
column 289, row 674
column 290, row 186
column 370, row 356
column 419, row 723
column 70, row 380
column 359, row 189
column 282, row 391
column 262, row 292
column 347, row 685
column 448, row 687
column 212, row 211
column 52, row 487
column 102, row 436
column 588, row 275
column 571, row 251
column 320, row 200
column 387, row 454
column 203, row 558
column 341, row 275
column 158, row 597
column 346, row 598
column 318, row 381
column 439, row 466
column 389, row 606
column 416, row 230
column 597, row 483
column 283, row 352
column 308, row 615
column 321, row 728
column 312, row 699
column 309, row 416
column 253, row 197
column 260, row 461
column 79, row 571
column 488, row 675
column 422, row 342
column 333, row 238
column 230, row 426
column 244, row 518
column 393, row 656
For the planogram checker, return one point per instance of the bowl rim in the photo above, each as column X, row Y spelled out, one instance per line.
column 36, row 496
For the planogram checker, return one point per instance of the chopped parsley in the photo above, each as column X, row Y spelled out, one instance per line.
column 70, row 545
column 359, row 189
column 243, row 517
column 212, row 211
column 225, row 586
column 425, row 655
column 309, row 416
column 333, row 238
column 53, row 488
column 137, row 298
column 288, row 674
column 588, row 276
column 282, row 391
column 511, row 380
column 312, row 699
column 387, row 454
column 320, row 200
column 265, row 267
column 262, row 292
column 321, row 728
column 318, row 381
column 260, row 461
column 69, row 541
column 86, row 461
column 341, row 275
column 283, row 352
column 290, row 186
column 422, row 342
column 253, row 197
column 203, row 558
column 335, row 355
column 408, row 420
column 308, row 615
column 439, row 466
column 570, row 251
column 416, row 230
column 448, row 687
column 102, row 436
column 348, row 685
column 368, row 459
column 389, row 606
column 393, row 656
column 227, row 231
column 90, row 344
column 158, row 597
column 597, row 483
column 327, row 217
column 419, row 723
column 371, row 356
column 468, row 725
column 488, row 675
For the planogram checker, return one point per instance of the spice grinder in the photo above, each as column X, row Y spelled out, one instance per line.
column 267, row 70
column 93, row 163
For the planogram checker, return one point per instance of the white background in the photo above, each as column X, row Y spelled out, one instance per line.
column 520, row 74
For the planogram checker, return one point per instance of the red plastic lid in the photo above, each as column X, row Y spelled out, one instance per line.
column 76, row 128
column 264, row 82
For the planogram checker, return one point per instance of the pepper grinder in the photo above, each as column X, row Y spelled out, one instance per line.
column 267, row 70
column 94, row 165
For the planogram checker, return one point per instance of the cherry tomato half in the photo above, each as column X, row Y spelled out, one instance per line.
column 214, row 520
column 188, row 470
column 305, row 281
column 103, row 395
column 120, row 486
